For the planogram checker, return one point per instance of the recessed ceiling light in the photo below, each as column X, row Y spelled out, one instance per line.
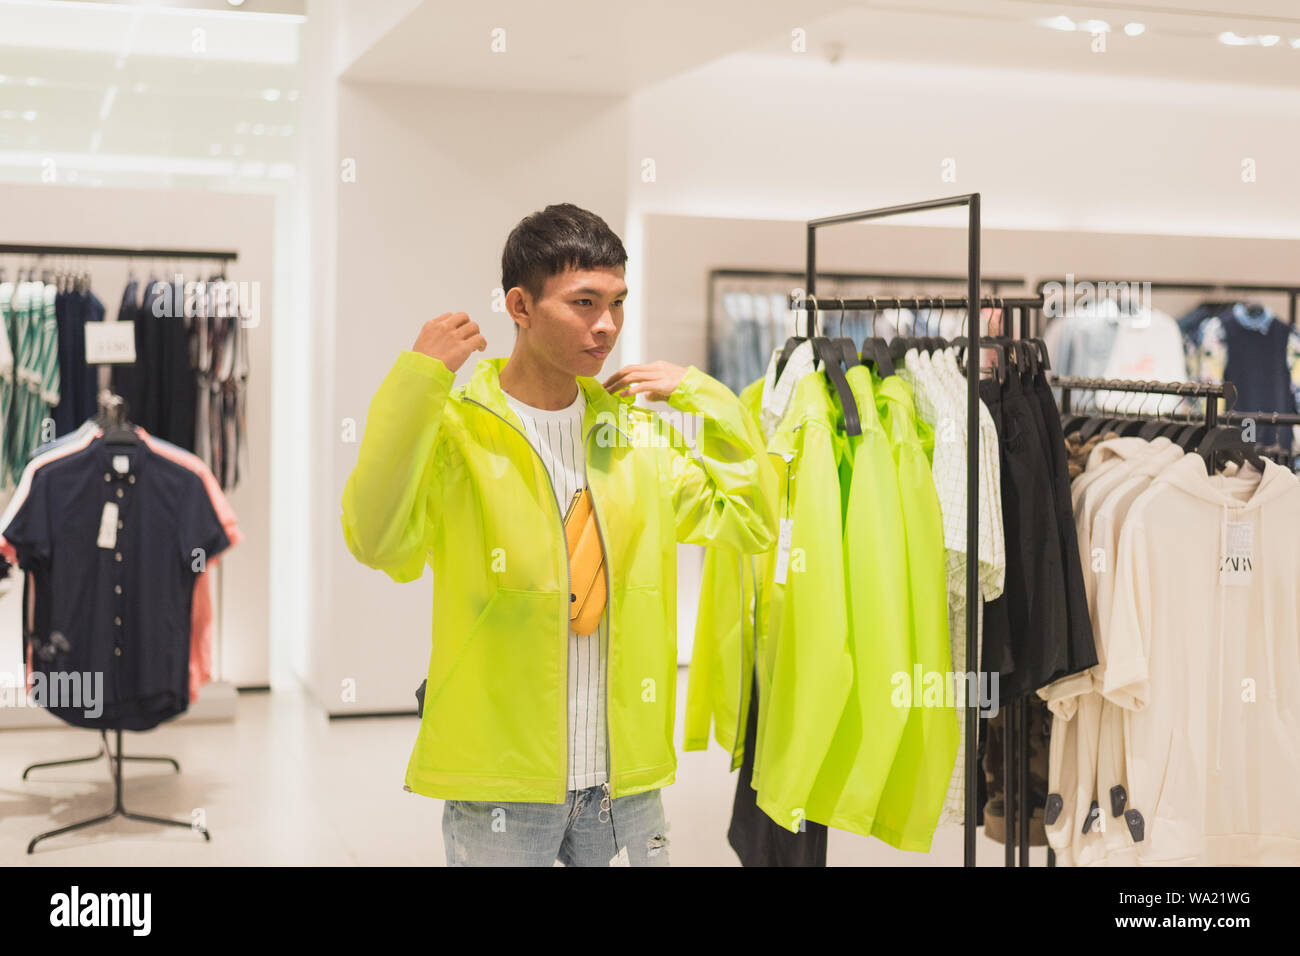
column 1269, row 39
column 1228, row 38
column 1295, row 45
column 33, row 81
column 7, row 114
column 1094, row 26
column 293, row 94
column 1135, row 29
column 271, row 95
column 1058, row 23
column 29, row 115
column 141, row 87
column 2, row 78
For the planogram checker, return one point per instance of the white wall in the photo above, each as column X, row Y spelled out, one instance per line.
column 793, row 137
column 441, row 178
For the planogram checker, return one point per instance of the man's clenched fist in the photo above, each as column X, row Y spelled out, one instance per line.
column 450, row 338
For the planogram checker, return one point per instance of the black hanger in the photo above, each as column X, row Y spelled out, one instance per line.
column 1225, row 442
column 112, row 419
column 1134, row 427
column 831, row 357
column 962, row 344
column 1096, row 422
column 900, row 345
column 875, row 350
column 1074, row 420
column 845, row 344
column 1189, row 437
column 792, row 343
column 1153, row 429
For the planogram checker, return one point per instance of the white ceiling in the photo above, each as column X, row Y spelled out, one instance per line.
column 593, row 46
column 195, row 91
column 147, row 95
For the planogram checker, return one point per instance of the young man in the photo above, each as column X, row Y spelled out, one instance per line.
column 549, row 744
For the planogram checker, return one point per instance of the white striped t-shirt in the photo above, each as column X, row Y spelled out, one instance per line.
column 557, row 436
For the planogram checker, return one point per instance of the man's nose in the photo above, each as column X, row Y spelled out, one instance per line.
column 606, row 323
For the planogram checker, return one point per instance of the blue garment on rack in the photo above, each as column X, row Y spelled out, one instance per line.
column 77, row 385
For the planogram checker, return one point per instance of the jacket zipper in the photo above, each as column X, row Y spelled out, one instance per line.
column 564, row 697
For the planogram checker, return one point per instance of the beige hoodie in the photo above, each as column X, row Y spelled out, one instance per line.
column 1203, row 654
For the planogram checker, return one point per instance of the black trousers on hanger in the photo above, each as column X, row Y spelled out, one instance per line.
column 755, row 837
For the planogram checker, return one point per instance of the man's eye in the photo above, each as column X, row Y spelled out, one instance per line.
column 583, row 302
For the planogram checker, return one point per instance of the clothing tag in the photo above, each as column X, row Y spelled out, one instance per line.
column 121, row 464
column 783, row 549
column 110, row 342
column 1238, row 564
column 621, row 858
column 108, row 526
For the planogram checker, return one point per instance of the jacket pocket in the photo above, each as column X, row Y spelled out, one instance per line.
column 642, row 681
column 1174, row 832
column 499, row 709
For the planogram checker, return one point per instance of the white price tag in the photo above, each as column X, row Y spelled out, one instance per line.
column 121, row 464
column 1238, row 564
column 108, row 524
column 110, row 342
column 783, row 549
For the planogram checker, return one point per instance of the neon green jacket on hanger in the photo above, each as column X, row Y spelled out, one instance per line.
column 447, row 476
column 913, row 797
column 726, row 623
column 805, row 668
column 852, row 777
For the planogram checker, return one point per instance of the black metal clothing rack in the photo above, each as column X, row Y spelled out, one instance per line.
column 115, row 759
column 971, row 202
column 115, row 252
column 995, row 283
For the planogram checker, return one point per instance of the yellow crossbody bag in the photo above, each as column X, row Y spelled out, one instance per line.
column 586, row 565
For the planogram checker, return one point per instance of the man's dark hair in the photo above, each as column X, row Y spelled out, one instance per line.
column 561, row 236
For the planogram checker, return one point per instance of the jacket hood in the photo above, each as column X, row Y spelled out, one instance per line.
column 1247, row 490
column 1121, row 448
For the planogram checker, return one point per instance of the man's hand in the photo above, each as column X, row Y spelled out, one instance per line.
column 450, row 338
column 656, row 381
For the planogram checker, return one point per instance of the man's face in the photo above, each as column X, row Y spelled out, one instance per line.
column 578, row 317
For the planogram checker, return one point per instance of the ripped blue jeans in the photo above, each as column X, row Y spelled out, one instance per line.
column 582, row 831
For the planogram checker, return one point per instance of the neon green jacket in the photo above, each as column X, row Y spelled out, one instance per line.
column 805, row 667
column 857, row 765
column 726, row 637
column 447, row 476
column 913, row 797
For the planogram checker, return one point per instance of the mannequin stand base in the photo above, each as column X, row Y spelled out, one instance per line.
column 115, row 762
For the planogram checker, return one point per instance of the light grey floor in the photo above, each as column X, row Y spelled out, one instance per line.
column 282, row 785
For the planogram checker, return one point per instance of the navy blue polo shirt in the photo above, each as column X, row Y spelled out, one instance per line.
column 113, row 593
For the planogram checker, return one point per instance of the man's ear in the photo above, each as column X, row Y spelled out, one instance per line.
column 519, row 305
